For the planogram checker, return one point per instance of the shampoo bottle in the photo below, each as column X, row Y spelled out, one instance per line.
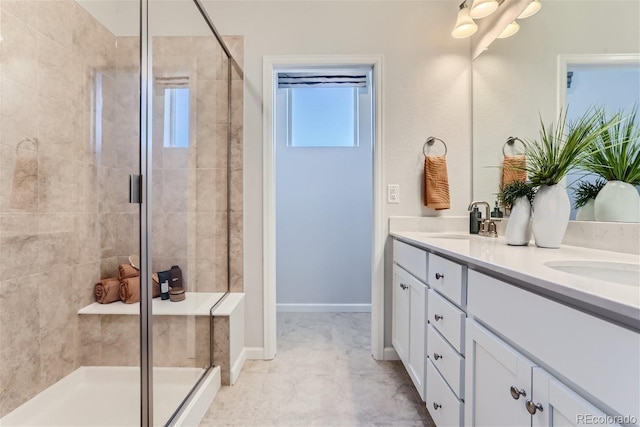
column 163, row 278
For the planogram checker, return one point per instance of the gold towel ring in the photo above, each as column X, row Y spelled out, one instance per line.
column 33, row 141
column 430, row 141
column 510, row 142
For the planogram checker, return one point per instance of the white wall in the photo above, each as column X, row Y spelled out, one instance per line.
column 324, row 219
column 516, row 79
column 426, row 92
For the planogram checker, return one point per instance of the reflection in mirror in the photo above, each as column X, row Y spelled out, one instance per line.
column 608, row 81
column 517, row 82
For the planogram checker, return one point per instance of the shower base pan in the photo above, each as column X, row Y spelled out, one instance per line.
column 110, row 396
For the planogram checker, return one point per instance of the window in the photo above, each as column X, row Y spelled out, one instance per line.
column 323, row 116
column 176, row 117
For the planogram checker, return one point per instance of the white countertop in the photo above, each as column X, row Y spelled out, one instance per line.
column 525, row 266
column 194, row 304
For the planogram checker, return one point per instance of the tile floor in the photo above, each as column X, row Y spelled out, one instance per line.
column 323, row 375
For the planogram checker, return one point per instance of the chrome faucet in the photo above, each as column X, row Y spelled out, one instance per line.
column 488, row 225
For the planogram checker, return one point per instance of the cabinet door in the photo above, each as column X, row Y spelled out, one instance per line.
column 557, row 405
column 493, row 369
column 417, row 332
column 400, row 315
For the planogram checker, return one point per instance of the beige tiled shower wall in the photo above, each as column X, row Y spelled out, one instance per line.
column 190, row 184
column 64, row 216
column 66, row 222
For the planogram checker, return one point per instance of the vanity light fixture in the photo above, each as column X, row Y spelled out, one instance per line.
column 481, row 8
column 510, row 30
column 465, row 27
column 532, row 8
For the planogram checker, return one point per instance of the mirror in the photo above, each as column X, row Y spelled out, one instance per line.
column 519, row 80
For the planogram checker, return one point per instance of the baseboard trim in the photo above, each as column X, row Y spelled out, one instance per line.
column 237, row 366
column 323, row 308
column 390, row 354
column 254, row 353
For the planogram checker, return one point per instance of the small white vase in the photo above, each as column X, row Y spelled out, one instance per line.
column 518, row 231
column 586, row 212
column 551, row 212
column 617, row 202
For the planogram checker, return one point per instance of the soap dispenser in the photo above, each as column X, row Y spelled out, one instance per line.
column 475, row 216
column 496, row 213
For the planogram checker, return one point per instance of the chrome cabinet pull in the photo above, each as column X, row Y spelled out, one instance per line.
column 438, row 317
column 515, row 393
column 439, row 276
column 436, row 406
column 437, row 356
column 532, row 408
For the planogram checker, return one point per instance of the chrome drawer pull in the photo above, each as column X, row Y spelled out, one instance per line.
column 436, row 406
column 438, row 317
column 437, row 356
column 515, row 393
column 439, row 276
column 533, row 407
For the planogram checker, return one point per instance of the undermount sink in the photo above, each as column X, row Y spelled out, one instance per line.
column 618, row 272
column 455, row 236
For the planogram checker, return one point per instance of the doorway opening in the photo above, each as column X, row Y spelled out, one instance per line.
column 323, row 243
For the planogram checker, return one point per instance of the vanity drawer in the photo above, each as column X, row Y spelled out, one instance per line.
column 410, row 258
column 447, row 360
column 445, row 408
column 447, row 319
column 447, row 277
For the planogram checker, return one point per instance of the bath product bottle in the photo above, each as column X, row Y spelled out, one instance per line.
column 163, row 278
column 496, row 213
column 175, row 277
column 475, row 216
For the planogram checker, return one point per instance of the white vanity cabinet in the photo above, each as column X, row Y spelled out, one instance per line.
column 561, row 405
column 445, row 341
column 527, row 395
column 595, row 358
column 409, row 317
column 498, row 381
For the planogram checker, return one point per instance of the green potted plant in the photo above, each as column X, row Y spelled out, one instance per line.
column 559, row 148
column 615, row 156
column 518, row 196
column 585, row 196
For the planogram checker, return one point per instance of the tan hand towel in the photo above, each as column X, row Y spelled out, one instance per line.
column 107, row 290
column 513, row 169
column 126, row 271
column 24, row 185
column 436, row 183
column 130, row 290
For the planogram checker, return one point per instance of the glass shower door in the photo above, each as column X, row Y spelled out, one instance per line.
column 188, row 253
column 70, row 138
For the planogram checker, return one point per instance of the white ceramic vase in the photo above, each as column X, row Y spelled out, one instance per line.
column 586, row 212
column 518, row 231
column 551, row 211
column 617, row 202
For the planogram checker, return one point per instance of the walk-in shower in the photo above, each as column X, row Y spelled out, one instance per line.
column 120, row 130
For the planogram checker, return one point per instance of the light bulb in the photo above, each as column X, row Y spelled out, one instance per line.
column 531, row 9
column 481, row 8
column 510, row 30
column 465, row 27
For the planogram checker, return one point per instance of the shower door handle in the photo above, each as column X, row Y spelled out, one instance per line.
column 135, row 188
